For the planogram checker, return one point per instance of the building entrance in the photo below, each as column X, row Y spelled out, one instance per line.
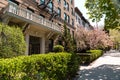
column 34, row 45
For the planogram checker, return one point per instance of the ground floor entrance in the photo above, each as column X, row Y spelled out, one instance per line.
column 34, row 45
column 38, row 41
column 51, row 44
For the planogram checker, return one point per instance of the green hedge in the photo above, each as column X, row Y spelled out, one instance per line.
column 58, row 48
column 90, row 56
column 95, row 54
column 50, row 66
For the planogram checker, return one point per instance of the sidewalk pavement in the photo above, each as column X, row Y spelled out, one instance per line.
column 107, row 67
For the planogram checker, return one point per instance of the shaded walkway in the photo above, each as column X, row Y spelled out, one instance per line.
column 106, row 67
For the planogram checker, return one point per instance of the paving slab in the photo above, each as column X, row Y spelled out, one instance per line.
column 107, row 67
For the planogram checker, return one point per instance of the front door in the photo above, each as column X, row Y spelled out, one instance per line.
column 51, row 45
column 34, row 45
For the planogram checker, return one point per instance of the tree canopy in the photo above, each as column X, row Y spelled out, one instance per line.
column 110, row 9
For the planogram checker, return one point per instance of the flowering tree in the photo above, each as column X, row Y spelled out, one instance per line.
column 81, row 37
column 98, row 39
column 94, row 39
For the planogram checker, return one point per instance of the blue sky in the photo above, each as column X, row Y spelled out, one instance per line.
column 80, row 5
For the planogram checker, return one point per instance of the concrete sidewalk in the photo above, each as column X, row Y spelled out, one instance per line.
column 106, row 67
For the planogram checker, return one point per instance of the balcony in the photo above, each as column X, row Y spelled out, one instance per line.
column 30, row 17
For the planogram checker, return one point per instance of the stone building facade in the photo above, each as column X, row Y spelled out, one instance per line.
column 41, row 20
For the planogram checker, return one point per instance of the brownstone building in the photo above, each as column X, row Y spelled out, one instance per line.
column 81, row 21
column 41, row 20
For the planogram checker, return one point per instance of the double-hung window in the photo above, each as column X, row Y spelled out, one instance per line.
column 50, row 5
column 59, row 12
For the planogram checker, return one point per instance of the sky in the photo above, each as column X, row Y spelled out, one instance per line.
column 80, row 5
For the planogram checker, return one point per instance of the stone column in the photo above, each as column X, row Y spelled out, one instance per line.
column 42, row 45
column 27, row 44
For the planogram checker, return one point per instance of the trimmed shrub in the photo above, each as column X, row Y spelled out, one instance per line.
column 95, row 54
column 37, row 67
column 12, row 41
column 58, row 48
column 73, row 66
column 90, row 56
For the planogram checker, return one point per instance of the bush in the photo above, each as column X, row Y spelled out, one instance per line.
column 37, row 67
column 73, row 66
column 58, row 48
column 12, row 41
column 95, row 54
column 90, row 56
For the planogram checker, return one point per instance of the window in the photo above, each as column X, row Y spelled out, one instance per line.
column 59, row 12
column 79, row 20
column 83, row 23
column 31, row 10
column 76, row 17
column 71, row 1
column 29, row 14
column 50, row 5
column 68, row 19
column 42, row 1
column 72, row 22
column 65, row 16
column 67, row 6
column 73, row 33
column 68, row 30
column 64, row 3
column 14, row 1
column 42, row 16
column 72, row 11
column 59, row 1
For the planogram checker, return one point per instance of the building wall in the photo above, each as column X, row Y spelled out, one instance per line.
column 80, row 20
column 68, row 12
column 39, row 30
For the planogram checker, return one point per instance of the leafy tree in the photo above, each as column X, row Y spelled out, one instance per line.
column 67, row 40
column 115, row 36
column 110, row 9
column 117, row 28
column 11, row 41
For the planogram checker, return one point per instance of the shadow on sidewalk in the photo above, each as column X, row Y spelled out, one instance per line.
column 103, row 72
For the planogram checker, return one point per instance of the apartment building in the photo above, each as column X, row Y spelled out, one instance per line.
column 80, row 20
column 66, row 13
column 41, row 20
